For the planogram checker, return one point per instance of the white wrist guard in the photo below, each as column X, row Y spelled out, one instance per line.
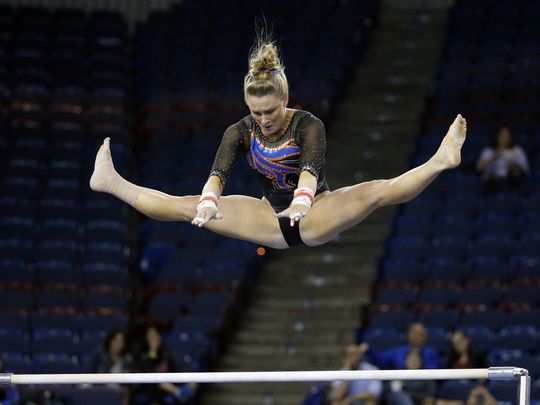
column 304, row 196
column 207, row 200
column 301, row 200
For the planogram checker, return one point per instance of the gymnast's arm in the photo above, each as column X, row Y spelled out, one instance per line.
column 313, row 142
column 312, row 139
column 226, row 156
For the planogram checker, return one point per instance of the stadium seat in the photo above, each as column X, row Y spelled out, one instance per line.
column 457, row 390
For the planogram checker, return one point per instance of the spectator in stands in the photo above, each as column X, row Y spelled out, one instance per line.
column 361, row 392
column 396, row 358
column 412, row 392
column 462, row 355
column 503, row 164
column 113, row 357
column 156, row 358
column 480, row 395
column 287, row 148
column 9, row 395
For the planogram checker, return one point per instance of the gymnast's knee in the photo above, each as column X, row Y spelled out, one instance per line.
column 379, row 193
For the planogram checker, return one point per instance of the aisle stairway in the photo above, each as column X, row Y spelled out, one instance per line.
column 307, row 302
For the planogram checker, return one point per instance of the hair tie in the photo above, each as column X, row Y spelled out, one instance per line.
column 272, row 71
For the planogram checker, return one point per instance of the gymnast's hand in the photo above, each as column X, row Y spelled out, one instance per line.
column 207, row 209
column 295, row 213
column 300, row 205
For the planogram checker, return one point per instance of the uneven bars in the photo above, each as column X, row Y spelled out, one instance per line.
column 261, row 376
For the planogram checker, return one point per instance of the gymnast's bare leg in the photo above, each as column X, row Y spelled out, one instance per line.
column 244, row 217
column 342, row 209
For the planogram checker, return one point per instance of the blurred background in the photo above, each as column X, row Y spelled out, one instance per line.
column 87, row 284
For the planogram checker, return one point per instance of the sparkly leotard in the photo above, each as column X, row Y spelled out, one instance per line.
column 279, row 162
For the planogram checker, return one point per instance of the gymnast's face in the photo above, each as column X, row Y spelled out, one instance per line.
column 269, row 112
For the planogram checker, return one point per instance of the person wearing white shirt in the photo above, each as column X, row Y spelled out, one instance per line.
column 503, row 162
column 356, row 392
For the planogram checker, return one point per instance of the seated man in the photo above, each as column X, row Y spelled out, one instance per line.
column 395, row 358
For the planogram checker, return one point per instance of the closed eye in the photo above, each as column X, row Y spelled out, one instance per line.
column 267, row 112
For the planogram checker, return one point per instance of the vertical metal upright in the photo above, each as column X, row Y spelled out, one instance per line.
column 524, row 390
column 513, row 373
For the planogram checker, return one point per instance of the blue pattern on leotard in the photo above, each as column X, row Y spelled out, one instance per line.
column 275, row 163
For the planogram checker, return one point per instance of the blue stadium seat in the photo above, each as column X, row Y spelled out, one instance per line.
column 461, row 204
column 443, row 295
column 90, row 341
column 16, row 363
column 54, row 363
column 211, row 302
column 406, row 270
column 397, row 319
column 448, row 271
column 98, row 396
column 57, row 272
column 99, row 230
column 412, row 246
column 104, row 274
column 13, row 340
column 450, row 246
column 527, row 294
column 497, row 223
column 208, row 324
column 168, row 305
column 396, row 296
column 490, row 268
column 16, row 272
column 58, row 250
column 43, row 320
column 16, row 300
column 493, row 245
column 53, row 341
column 58, row 299
column 105, row 298
column 504, row 391
column 59, row 229
column 439, row 339
column 455, row 390
column 524, row 317
column 527, row 244
column 507, row 203
column 517, row 337
column 489, row 318
column 441, row 318
column 384, row 341
column 15, row 320
column 484, row 295
column 481, row 337
column 415, row 224
column 98, row 322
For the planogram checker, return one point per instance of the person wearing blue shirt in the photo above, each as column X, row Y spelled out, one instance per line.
column 395, row 358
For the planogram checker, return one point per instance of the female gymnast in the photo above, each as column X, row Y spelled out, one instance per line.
column 287, row 148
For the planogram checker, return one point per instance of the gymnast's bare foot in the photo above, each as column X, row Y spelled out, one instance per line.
column 449, row 153
column 105, row 178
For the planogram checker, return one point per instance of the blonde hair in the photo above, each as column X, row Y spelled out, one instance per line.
column 266, row 73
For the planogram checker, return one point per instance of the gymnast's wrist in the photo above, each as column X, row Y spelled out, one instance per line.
column 207, row 200
column 304, row 196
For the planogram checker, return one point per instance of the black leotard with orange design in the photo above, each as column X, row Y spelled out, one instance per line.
column 278, row 161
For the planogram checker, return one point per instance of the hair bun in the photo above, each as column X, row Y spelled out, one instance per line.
column 264, row 61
